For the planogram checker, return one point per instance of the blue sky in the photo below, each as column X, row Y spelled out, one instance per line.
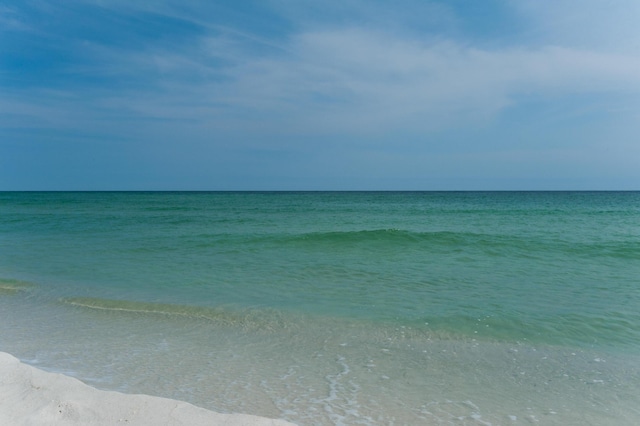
column 295, row 94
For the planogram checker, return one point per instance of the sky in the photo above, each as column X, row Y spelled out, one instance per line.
column 319, row 95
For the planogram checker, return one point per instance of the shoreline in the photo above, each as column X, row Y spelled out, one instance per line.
column 30, row 396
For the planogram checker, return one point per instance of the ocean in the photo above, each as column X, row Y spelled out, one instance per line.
column 335, row 308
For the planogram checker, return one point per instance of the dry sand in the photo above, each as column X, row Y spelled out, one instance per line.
column 29, row 396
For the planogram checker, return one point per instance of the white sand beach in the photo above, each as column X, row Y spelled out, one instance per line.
column 29, row 396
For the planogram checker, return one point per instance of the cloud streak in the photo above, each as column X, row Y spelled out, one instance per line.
column 361, row 88
column 359, row 81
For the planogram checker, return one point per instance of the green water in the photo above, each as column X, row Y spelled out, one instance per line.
column 295, row 296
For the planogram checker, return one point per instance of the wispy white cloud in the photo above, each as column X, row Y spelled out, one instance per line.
column 362, row 86
column 10, row 20
column 588, row 24
column 354, row 80
column 361, row 81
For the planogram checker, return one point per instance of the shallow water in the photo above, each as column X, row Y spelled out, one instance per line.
column 335, row 308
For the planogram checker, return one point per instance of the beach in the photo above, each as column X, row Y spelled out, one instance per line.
column 328, row 309
column 29, row 396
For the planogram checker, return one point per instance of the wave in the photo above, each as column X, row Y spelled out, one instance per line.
column 247, row 319
column 11, row 286
column 490, row 244
column 380, row 236
column 571, row 329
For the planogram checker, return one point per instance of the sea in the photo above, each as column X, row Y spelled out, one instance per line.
column 335, row 308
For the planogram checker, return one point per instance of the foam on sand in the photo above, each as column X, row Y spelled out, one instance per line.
column 29, row 396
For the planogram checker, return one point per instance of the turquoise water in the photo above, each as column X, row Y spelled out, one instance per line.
column 335, row 307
